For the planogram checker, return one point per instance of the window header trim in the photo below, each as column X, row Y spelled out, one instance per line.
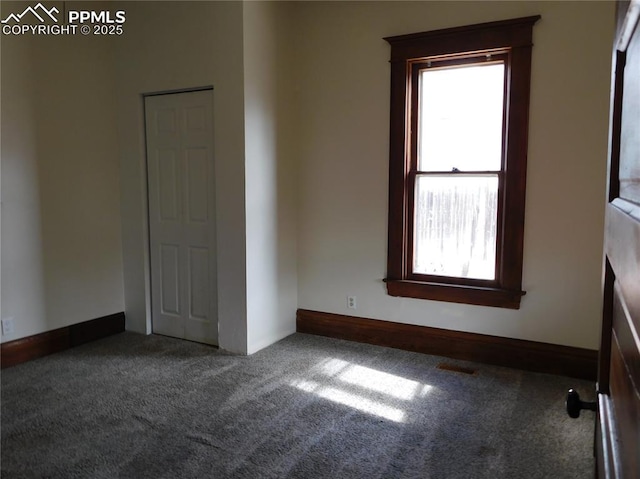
column 477, row 37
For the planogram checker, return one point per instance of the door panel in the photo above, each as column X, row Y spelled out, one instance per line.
column 182, row 215
column 170, row 281
column 169, row 186
column 618, row 425
column 198, row 283
column 197, row 185
column 624, row 376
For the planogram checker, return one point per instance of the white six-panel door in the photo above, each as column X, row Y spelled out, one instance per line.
column 182, row 215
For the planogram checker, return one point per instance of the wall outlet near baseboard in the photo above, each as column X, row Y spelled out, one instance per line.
column 351, row 302
column 8, row 326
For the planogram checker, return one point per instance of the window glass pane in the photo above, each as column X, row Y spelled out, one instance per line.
column 456, row 226
column 460, row 122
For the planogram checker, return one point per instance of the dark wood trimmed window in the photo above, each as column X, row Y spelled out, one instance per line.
column 458, row 162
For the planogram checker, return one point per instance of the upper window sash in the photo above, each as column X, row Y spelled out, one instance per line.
column 416, row 108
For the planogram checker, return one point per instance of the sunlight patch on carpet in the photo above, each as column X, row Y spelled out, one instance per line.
column 362, row 404
column 379, row 381
column 359, row 378
column 355, row 401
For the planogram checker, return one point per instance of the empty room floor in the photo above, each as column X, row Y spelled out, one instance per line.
column 134, row 406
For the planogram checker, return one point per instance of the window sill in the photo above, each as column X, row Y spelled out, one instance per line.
column 496, row 297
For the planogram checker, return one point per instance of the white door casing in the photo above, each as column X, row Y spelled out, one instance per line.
column 180, row 169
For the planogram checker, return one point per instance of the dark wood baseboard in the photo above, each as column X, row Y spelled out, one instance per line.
column 513, row 353
column 33, row 347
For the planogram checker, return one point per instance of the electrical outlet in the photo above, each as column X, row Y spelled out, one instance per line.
column 8, row 327
column 351, row 302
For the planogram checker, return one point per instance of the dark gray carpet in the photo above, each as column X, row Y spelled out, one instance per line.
column 131, row 406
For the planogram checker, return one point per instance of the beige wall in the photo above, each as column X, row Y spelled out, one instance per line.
column 21, row 261
column 61, row 243
column 301, row 106
column 270, row 174
column 74, row 106
column 343, row 96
